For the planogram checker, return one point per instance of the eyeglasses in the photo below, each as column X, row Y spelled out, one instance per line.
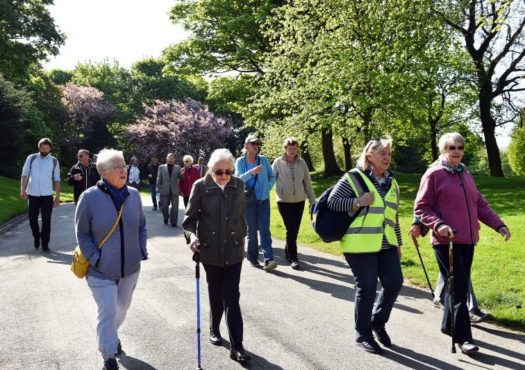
column 256, row 143
column 223, row 172
column 453, row 147
column 119, row 168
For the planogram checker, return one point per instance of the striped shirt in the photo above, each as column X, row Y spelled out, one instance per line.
column 342, row 199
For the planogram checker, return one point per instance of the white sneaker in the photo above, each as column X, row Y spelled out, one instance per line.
column 269, row 265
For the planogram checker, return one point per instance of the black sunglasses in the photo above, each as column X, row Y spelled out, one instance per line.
column 453, row 147
column 223, row 172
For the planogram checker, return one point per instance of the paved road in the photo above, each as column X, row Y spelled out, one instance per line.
column 292, row 319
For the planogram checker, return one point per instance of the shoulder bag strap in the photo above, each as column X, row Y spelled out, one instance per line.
column 112, row 228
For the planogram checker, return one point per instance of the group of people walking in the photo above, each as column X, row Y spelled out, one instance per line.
column 222, row 210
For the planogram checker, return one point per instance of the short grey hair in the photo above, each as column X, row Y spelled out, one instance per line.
column 449, row 138
column 220, row 155
column 105, row 157
column 187, row 157
column 373, row 146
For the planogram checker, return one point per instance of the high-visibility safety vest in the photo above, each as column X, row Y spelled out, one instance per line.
column 365, row 234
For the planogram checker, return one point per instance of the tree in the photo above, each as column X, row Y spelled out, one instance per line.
column 28, row 34
column 494, row 36
column 516, row 152
column 89, row 115
column 179, row 127
column 21, row 126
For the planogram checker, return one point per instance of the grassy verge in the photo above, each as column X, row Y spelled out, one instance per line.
column 497, row 273
column 10, row 203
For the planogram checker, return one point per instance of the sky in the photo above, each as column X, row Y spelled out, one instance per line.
column 122, row 30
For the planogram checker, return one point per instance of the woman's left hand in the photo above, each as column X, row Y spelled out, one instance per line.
column 504, row 231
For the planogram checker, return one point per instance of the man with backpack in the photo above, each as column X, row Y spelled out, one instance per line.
column 40, row 174
column 82, row 175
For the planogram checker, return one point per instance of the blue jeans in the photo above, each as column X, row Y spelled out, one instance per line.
column 367, row 268
column 153, row 191
column 258, row 219
column 113, row 299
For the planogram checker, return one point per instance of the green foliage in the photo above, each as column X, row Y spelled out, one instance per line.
column 60, row 77
column 226, row 35
column 516, row 152
column 28, row 34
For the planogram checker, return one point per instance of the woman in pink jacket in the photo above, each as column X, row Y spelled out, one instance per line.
column 449, row 203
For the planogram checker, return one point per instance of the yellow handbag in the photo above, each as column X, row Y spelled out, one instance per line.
column 80, row 264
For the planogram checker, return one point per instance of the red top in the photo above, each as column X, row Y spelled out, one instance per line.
column 188, row 177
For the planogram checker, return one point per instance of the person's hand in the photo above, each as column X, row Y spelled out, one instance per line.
column 256, row 170
column 445, row 230
column 56, row 202
column 150, row 175
column 77, row 177
column 195, row 245
column 504, row 231
column 366, row 199
column 415, row 231
column 23, row 195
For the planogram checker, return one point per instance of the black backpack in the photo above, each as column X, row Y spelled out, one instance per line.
column 330, row 225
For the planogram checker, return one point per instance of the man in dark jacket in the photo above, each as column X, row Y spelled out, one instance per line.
column 153, row 168
column 82, row 175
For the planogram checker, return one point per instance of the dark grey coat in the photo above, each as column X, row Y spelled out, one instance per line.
column 217, row 218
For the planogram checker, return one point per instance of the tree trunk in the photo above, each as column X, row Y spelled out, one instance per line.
column 348, row 154
column 433, row 140
column 330, row 163
column 305, row 153
column 489, row 127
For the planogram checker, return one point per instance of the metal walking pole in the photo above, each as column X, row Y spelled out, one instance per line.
column 451, row 291
column 416, row 244
column 196, row 258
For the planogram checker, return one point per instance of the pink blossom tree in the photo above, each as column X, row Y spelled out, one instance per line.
column 89, row 114
column 180, row 127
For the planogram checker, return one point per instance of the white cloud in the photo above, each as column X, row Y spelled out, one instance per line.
column 122, row 30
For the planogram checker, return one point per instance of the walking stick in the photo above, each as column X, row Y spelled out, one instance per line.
column 196, row 258
column 451, row 291
column 416, row 244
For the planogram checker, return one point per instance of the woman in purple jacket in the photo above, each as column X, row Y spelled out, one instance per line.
column 449, row 203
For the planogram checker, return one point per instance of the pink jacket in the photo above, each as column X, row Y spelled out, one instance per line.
column 453, row 199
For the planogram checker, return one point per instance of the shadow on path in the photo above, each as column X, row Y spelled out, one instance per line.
column 414, row 360
column 134, row 363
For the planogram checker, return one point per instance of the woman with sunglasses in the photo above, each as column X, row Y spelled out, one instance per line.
column 372, row 243
column 449, row 203
column 215, row 220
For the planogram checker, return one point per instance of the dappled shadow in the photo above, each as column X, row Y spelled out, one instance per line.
column 414, row 360
column 496, row 361
column 505, row 351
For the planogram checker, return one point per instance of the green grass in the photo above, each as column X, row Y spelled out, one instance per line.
column 10, row 203
column 498, row 273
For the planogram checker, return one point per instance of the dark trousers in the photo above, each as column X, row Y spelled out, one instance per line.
column 153, row 191
column 463, row 256
column 185, row 199
column 292, row 214
column 223, row 290
column 367, row 268
column 44, row 206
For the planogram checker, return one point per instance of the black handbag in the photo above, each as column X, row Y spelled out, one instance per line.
column 250, row 198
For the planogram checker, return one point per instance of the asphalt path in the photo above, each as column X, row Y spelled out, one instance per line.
column 292, row 319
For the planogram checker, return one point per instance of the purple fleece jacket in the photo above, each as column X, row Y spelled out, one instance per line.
column 449, row 198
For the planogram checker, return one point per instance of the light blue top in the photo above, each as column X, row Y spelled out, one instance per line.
column 265, row 179
column 41, row 174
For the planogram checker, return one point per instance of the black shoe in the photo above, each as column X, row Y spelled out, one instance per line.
column 215, row 338
column 383, row 338
column 174, row 225
column 36, row 243
column 165, row 221
column 120, row 352
column 296, row 265
column 111, row 364
column 45, row 249
column 154, row 209
column 239, row 354
column 370, row 345
column 256, row 264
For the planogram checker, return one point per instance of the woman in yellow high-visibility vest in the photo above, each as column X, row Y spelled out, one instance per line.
column 372, row 243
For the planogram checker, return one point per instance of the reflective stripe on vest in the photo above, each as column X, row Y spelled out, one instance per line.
column 365, row 234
